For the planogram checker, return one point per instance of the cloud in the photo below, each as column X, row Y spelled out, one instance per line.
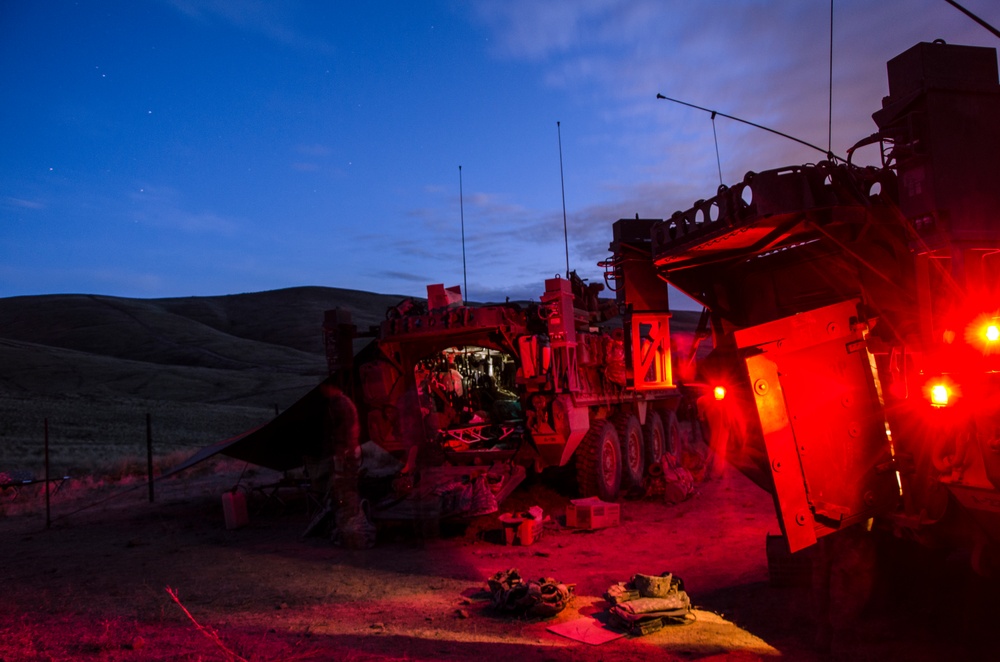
column 162, row 207
column 533, row 30
column 507, row 239
column 766, row 62
column 403, row 275
column 269, row 19
column 315, row 150
column 24, row 204
column 315, row 158
column 523, row 291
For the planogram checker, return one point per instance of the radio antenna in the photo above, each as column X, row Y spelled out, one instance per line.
column 562, row 183
column 461, row 211
column 829, row 155
column 829, row 126
column 996, row 33
column 718, row 161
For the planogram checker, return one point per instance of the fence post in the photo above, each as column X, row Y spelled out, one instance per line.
column 48, row 508
column 149, row 453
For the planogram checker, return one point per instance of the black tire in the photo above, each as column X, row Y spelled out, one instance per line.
column 599, row 462
column 632, row 448
column 655, row 438
column 675, row 444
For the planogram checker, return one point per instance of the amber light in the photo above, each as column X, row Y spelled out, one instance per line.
column 719, row 392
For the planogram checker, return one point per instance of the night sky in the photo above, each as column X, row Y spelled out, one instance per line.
column 185, row 147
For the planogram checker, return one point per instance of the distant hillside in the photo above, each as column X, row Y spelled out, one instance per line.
column 205, row 367
column 278, row 329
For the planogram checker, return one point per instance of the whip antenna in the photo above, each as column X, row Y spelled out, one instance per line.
column 562, row 183
column 461, row 211
column 830, row 155
column 718, row 161
column 993, row 30
column 829, row 126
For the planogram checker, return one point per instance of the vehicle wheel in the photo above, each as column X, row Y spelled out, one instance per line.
column 655, row 438
column 598, row 462
column 673, row 436
column 633, row 455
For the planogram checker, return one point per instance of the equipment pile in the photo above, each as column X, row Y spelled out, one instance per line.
column 544, row 597
column 646, row 603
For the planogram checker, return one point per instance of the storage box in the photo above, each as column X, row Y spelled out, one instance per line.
column 592, row 513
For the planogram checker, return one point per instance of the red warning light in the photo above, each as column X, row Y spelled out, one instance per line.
column 984, row 334
column 939, row 395
column 719, row 392
column 941, row 392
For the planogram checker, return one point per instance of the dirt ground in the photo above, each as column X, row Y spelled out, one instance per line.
column 97, row 584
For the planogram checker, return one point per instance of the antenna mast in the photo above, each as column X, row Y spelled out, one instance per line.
column 461, row 211
column 562, row 183
column 829, row 127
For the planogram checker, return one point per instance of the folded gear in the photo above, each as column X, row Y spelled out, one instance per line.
column 648, row 602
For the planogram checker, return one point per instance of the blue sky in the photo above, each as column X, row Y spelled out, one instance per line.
column 182, row 147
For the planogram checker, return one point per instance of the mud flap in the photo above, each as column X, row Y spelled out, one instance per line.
column 820, row 411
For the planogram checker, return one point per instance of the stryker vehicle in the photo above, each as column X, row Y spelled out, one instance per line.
column 855, row 314
column 546, row 384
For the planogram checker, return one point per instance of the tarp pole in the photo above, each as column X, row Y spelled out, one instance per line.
column 48, row 508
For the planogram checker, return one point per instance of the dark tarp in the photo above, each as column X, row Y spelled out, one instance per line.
column 284, row 442
column 280, row 444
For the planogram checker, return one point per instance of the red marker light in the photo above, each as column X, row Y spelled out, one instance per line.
column 719, row 392
column 941, row 391
column 984, row 333
column 939, row 394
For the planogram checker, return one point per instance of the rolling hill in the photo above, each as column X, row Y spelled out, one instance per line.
column 204, row 368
